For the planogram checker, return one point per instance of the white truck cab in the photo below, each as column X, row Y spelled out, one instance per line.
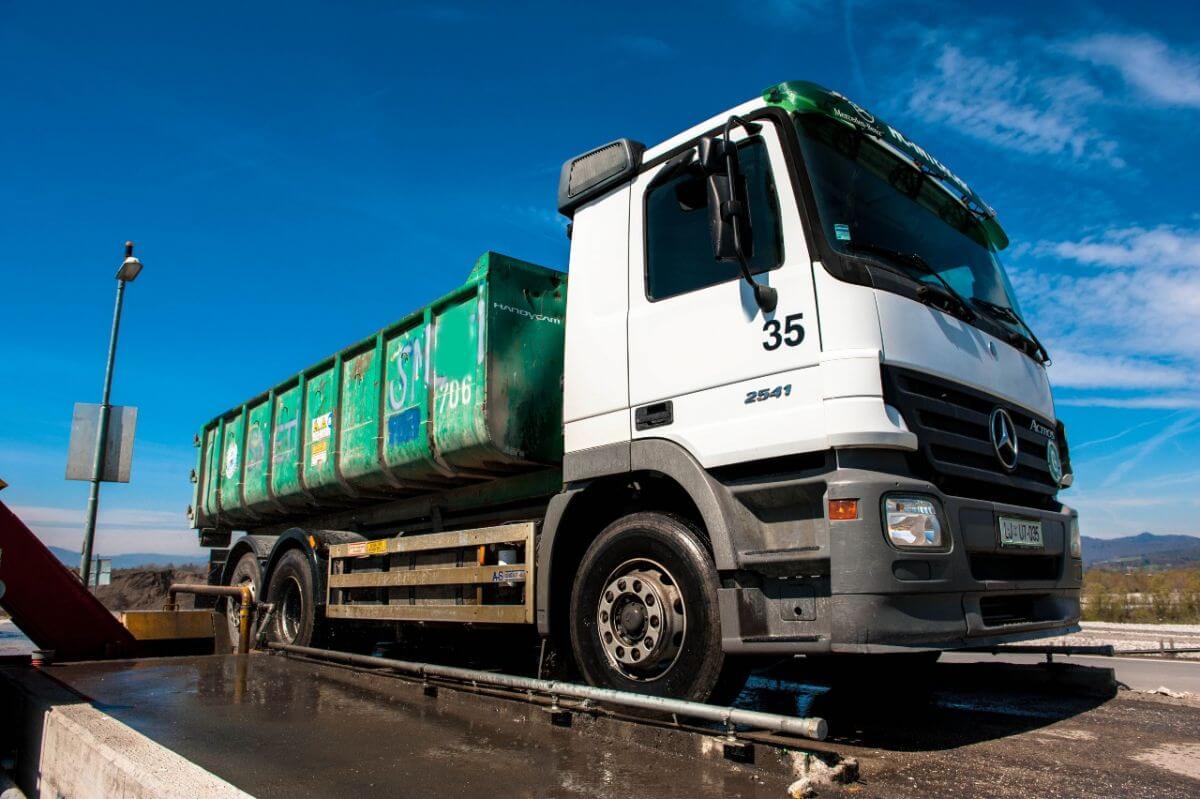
column 868, row 434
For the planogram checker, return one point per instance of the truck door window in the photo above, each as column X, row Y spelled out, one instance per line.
column 679, row 255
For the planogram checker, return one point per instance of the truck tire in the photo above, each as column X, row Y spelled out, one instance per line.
column 246, row 571
column 293, row 593
column 644, row 610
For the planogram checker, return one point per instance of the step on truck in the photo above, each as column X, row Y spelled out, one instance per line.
column 784, row 402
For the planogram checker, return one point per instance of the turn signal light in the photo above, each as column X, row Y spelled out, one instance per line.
column 843, row 510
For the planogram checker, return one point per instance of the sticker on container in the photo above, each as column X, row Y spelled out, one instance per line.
column 231, row 453
column 322, row 426
column 357, row 549
column 320, row 453
column 508, row 575
column 403, row 427
column 842, row 232
column 377, row 547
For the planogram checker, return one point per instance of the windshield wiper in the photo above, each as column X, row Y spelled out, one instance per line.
column 1009, row 315
column 946, row 298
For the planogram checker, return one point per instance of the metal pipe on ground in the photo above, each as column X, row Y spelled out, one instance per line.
column 243, row 592
column 813, row 727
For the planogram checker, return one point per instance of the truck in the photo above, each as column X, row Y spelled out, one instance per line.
column 783, row 402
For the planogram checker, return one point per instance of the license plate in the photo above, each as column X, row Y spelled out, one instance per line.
column 1020, row 533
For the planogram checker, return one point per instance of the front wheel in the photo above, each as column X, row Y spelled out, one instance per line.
column 293, row 593
column 644, row 610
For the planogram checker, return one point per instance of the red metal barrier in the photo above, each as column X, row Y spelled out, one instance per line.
column 49, row 604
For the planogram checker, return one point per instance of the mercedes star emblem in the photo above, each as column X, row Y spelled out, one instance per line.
column 1004, row 438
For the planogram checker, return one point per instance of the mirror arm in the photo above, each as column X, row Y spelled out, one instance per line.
column 749, row 127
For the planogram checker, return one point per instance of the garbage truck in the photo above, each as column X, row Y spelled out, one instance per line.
column 784, row 401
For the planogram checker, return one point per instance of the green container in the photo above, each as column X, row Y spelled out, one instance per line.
column 466, row 389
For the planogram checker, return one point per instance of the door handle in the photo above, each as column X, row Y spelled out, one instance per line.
column 658, row 414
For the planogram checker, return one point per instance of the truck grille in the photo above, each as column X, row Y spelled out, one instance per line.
column 998, row 611
column 951, row 422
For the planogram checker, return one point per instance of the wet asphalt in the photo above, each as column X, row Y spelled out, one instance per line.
column 280, row 727
column 276, row 727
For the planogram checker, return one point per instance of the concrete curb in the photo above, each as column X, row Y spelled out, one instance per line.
column 68, row 748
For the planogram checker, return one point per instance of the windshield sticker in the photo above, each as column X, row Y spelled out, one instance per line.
column 842, row 232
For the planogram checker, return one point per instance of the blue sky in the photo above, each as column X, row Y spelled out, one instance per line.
column 297, row 175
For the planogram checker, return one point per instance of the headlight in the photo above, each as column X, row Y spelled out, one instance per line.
column 912, row 522
column 1076, row 541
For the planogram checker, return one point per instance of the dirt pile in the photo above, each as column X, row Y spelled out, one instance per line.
column 146, row 589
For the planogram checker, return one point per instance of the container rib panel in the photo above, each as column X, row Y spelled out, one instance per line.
column 464, row 391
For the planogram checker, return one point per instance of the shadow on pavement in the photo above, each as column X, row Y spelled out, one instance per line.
column 926, row 707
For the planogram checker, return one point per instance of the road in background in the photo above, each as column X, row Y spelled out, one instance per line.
column 1124, row 637
column 12, row 640
column 1140, row 674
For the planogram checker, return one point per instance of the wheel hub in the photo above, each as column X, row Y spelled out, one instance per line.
column 641, row 619
column 633, row 619
column 289, row 614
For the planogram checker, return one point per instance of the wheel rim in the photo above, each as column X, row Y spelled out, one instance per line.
column 641, row 619
column 290, row 610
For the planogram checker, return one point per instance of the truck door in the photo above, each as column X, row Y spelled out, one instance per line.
column 707, row 368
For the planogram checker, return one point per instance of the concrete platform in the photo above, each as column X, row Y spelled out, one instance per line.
column 64, row 746
column 275, row 727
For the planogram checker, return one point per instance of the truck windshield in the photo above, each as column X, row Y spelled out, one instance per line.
column 875, row 204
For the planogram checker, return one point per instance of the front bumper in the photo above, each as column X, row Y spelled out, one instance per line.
column 867, row 596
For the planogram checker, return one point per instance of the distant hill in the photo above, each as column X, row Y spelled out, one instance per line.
column 1141, row 550
column 133, row 560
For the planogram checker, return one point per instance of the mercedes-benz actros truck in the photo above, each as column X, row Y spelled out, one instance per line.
column 784, row 401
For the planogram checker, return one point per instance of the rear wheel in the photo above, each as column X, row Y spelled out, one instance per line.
column 245, row 572
column 644, row 610
column 293, row 593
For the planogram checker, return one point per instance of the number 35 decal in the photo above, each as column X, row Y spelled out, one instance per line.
column 791, row 335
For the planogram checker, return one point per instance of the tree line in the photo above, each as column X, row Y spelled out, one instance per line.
column 1143, row 596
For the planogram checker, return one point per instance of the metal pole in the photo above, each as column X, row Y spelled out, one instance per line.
column 89, row 526
column 810, row 727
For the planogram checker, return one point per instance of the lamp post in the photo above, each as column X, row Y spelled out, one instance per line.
column 130, row 268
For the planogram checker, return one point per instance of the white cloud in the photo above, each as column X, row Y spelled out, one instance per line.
column 1130, row 493
column 1154, row 402
column 1134, row 246
column 795, row 9
column 1081, row 370
column 1076, row 447
column 1126, row 316
column 999, row 103
column 643, row 45
column 118, row 530
column 1147, row 64
column 122, row 517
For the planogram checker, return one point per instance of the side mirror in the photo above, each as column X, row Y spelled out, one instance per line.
column 729, row 209
column 723, row 209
